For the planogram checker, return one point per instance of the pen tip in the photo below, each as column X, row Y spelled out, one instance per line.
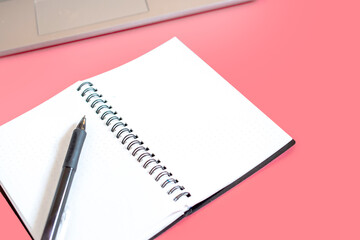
column 82, row 123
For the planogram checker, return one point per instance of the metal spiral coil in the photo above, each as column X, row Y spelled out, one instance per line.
column 174, row 188
column 182, row 194
column 160, row 175
column 169, row 181
column 151, row 160
column 155, row 168
column 118, row 135
column 130, row 140
column 118, row 124
column 145, row 154
column 97, row 101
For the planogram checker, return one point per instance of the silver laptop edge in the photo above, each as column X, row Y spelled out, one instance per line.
column 20, row 28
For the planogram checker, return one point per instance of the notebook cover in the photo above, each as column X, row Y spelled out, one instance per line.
column 227, row 188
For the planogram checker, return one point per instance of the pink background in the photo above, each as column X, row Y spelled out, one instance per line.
column 10, row 226
column 298, row 61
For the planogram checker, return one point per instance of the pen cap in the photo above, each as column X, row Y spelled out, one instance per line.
column 74, row 150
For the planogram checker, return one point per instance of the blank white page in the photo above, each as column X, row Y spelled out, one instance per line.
column 201, row 128
column 112, row 197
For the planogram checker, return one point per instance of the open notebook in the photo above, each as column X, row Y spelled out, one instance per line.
column 165, row 109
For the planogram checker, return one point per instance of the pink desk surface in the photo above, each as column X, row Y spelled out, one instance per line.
column 298, row 61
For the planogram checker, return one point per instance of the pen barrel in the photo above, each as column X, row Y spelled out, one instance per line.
column 63, row 187
column 75, row 146
column 58, row 204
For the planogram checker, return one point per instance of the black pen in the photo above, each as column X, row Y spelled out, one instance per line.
column 66, row 178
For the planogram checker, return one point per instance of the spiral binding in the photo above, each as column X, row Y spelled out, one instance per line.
column 130, row 140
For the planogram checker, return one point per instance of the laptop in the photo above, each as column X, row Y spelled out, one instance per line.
column 26, row 25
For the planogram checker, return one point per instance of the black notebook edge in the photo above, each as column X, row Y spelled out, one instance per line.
column 228, row 187
column 15, row 211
